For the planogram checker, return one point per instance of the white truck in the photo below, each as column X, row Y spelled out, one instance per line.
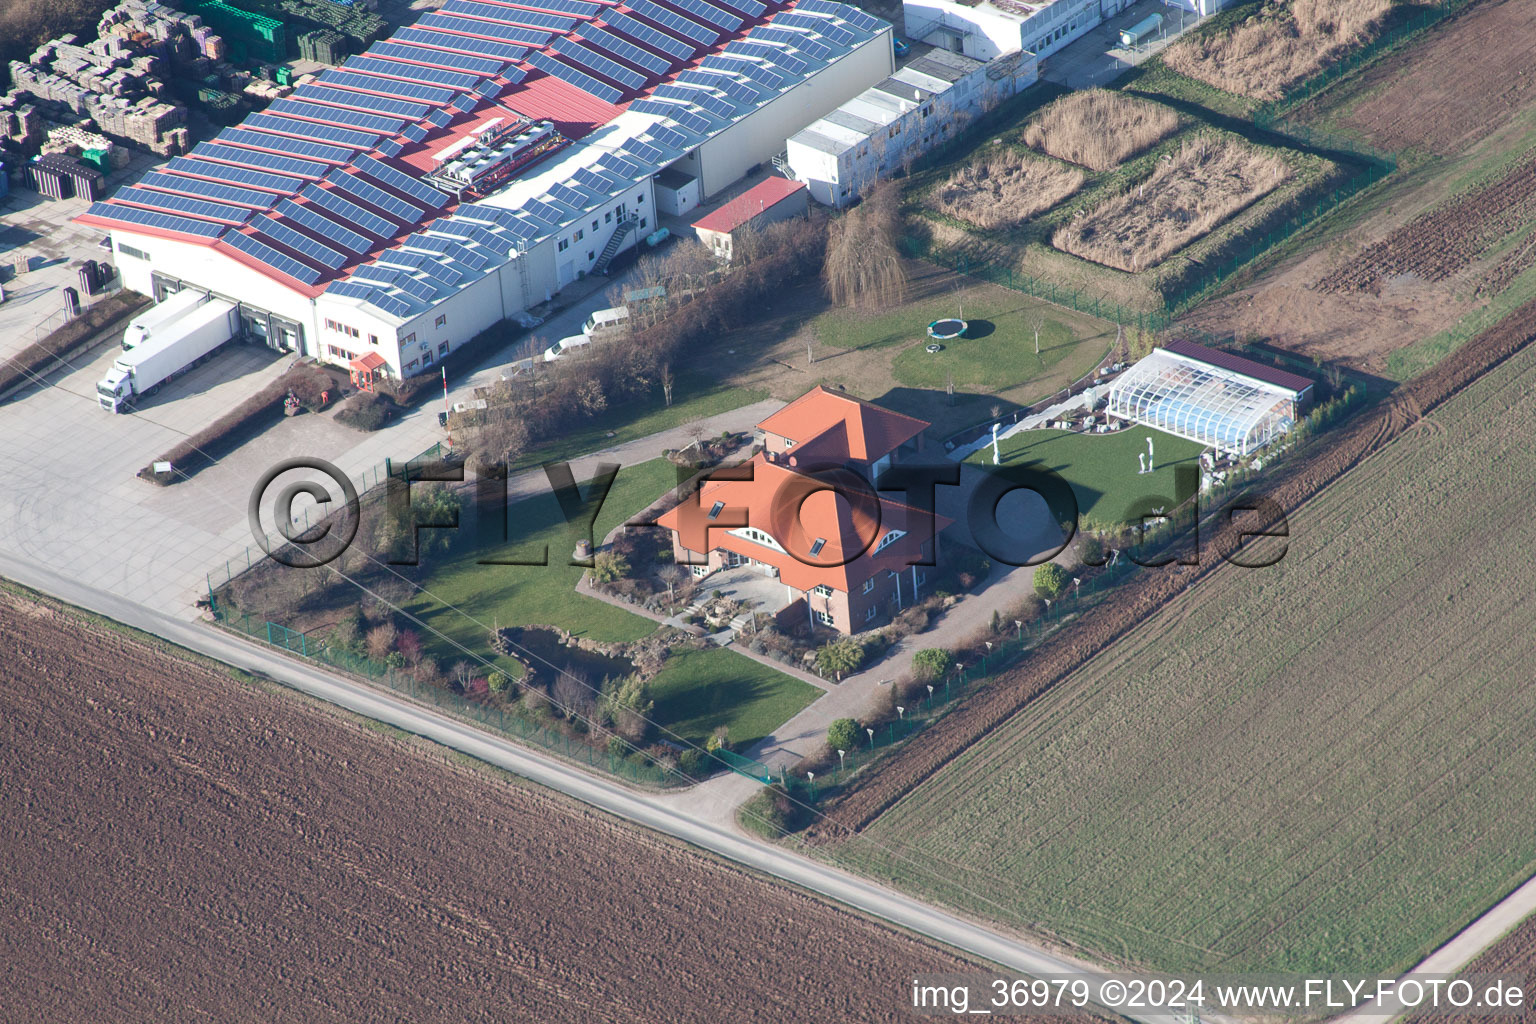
column 186, row 341
column 604, row 323
column 144, row 326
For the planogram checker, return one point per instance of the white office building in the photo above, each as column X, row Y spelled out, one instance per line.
column 839, row 156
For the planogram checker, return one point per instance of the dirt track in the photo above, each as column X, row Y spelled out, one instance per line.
column 177, row 845
column 1152, row 588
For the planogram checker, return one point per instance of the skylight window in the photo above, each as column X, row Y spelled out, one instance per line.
column 821, row 542
column 714, row 513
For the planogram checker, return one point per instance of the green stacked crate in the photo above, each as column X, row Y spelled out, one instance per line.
column 251, row 36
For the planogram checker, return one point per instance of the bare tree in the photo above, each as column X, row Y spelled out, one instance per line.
column 1037, row 324
column 667, row 380
column 863, row 267
column 671, row 574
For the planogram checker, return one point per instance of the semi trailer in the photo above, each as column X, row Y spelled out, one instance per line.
column 141, row 327
column 186, row 341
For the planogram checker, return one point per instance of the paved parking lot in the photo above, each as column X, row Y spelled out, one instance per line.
column 1098, row 58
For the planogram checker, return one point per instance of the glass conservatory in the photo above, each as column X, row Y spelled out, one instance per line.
column 1205, row 403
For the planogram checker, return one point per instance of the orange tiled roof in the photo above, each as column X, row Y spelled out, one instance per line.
column 796, row 510
column 869, row 430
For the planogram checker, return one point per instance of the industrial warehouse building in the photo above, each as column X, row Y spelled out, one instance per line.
column 990, row 28
column 479, row 161
column 1221, row 400
column 919, row 107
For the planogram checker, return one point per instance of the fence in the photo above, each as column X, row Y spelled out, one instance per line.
column 636, row 768
column 253, row 554
column 1241, row 251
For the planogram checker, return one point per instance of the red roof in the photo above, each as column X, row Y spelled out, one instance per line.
column 367, row 361
column 758, row 199
column 797, row 510
column 1238, row 364
column 867, row 431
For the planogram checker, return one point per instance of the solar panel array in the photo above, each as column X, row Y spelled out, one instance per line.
column 314, row 220
column 575, row 8
column 284, row 144
column 352, row 79
column 156, row 219
column 378, row 104
column 861, row 20
column 461, row 62
column 709, row 13
column 190, row 205
column 215, row 190
column 376, row 197
column 803, row 42
column 495, row 30
column 821, row 26
column 350, row 290
column 493, row 12
column 775, row 55
column 266, row 161
column 455, row 81
column 236, row 175
column 580, row 79
column 596, row 62
column 299, row 242
column 675, row 23
column 279, row 261
column 751, row 8
column 652, row 37
column 625, row 50
column 308, row 129
column 490, row 49
column 349, row 211
column 400, row 181
column 293, row 107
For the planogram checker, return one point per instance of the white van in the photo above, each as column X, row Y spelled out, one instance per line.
column 565, row 345
column 606, row 321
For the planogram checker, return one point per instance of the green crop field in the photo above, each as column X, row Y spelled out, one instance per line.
column 1102, row 468
column 1324, row 766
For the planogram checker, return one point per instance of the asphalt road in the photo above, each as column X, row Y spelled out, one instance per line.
column 636, row 807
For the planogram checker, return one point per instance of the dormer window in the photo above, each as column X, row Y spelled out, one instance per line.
column 889, row 539
column 821, row 542
column 714, row 513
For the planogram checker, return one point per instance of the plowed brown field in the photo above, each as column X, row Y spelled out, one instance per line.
column 176, row 845
column 1513, row 955
column 1443, row 242
column 1460, row 83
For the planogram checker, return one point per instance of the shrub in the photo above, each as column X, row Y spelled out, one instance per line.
column 930, row 664
column 609, row 566
column 347, row 634
column 70, row 339
column 691, row 763
column 366, row 410
column 1050, row 580
column 839, row 656
column 381, row 641
column 843, row 734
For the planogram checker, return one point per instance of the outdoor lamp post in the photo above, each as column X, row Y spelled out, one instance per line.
column 840, row 755
column 871, row 737
column 1019, row 625
column 901, row 712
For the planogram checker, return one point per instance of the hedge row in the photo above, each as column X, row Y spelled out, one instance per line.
column 68, row 341
column 255, row 414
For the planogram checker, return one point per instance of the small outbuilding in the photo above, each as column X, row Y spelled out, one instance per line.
column 768, row 202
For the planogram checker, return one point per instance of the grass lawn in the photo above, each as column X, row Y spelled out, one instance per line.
column 1102, row 468
column 695, row 396
column 464, row 599
column 997, row 355
column 698, row 691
